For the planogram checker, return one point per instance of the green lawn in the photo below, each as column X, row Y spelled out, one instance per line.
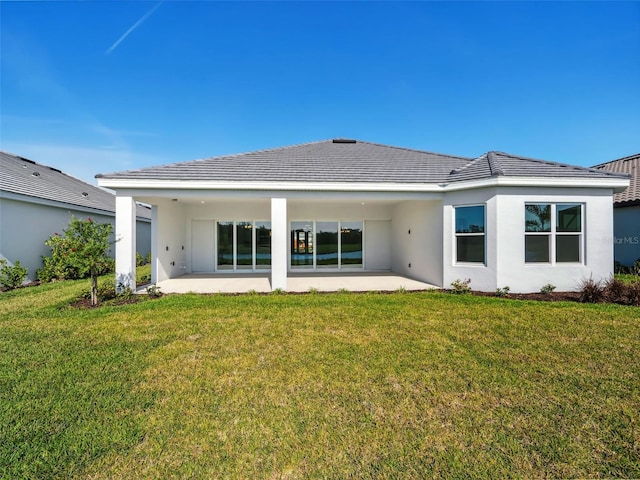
column 405, row 385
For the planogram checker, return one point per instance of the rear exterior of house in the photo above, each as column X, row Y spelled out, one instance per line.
column 626, row 211
column 342, row 206
column 37, row 201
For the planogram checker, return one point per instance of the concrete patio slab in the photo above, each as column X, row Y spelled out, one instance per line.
column 297, row 282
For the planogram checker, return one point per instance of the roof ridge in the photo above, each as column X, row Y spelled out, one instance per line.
column 468, row 165
column 494, row 164
column 416, row 150
column 560, row 164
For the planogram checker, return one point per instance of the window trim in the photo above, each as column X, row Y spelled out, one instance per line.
column 553, row 234
column 470, row 234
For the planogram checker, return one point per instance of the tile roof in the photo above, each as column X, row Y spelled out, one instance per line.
column 22, row 176
column 630, row 165
column 343, row 161
column 354, row 161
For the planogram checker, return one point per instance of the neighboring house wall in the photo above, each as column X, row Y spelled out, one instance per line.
column 26, row 225
column 626, row 232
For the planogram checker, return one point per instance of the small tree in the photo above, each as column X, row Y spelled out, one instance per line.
column 80, row 252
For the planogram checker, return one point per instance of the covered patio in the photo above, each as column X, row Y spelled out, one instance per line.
column 297, row 282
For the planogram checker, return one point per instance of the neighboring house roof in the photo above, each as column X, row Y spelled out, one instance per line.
column 355, row 161
column 630, row 165
column 25, row 177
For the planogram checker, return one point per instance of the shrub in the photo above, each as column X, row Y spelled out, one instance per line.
column 633, row 293
column 11, row 277
column 615, row 291
column 461, row 287
column 502, row 292
column 591, row 291
column 547, row 289
column 153, row 291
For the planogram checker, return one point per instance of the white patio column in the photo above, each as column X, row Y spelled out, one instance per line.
column 125, row 243
column 154, row 243
column 279, row 235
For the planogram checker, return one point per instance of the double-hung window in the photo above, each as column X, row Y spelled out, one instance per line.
column 553, row 233
column 470, row 241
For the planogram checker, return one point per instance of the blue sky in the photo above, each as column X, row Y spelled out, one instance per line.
column 94, row 87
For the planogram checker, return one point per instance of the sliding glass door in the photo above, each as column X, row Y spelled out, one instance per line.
column 326, row 245
column 243, row 245
column 263, row 245
column 327, row 240
column 225, row 245
column 351, row 244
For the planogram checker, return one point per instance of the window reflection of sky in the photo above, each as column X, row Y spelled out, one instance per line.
column 470, row 219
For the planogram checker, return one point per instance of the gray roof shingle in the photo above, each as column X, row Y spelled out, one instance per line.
column 341, row 161
column 351, row 161
column 22, row 176
column 631, row 166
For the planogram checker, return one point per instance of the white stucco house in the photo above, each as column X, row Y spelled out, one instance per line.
column 626, row 210
column 37, row 201
column 344, row 205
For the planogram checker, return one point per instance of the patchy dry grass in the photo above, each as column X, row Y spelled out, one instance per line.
column 317, row 386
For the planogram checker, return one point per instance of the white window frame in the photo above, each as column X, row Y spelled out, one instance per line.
column 470, row 234
column 553, row 234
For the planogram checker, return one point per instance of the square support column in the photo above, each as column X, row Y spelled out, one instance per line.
column 279, row 235
column 125, row 243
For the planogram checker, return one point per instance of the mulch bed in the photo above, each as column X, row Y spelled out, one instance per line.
column 541, row 297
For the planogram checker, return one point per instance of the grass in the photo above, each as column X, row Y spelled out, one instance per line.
column 627, row 277
column 317, row 386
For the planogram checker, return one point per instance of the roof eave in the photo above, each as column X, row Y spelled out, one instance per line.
column 617, row 184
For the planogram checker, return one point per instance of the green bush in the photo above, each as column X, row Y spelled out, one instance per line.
column 11, row 277
column 547, row 289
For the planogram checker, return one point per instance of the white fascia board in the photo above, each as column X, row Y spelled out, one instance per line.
column 617, row 184
column 268, row 186
column 501, row 181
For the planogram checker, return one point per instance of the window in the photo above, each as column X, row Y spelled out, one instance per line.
column 553, row 233
column 470, row 244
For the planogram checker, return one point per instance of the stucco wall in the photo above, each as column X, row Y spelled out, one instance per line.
column 25, row 226
column 626, row 228
column 169, row 240
column 505, row 265
column 483, row 277
column 418, row 254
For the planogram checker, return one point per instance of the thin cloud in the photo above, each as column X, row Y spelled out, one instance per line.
column 133, row 27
